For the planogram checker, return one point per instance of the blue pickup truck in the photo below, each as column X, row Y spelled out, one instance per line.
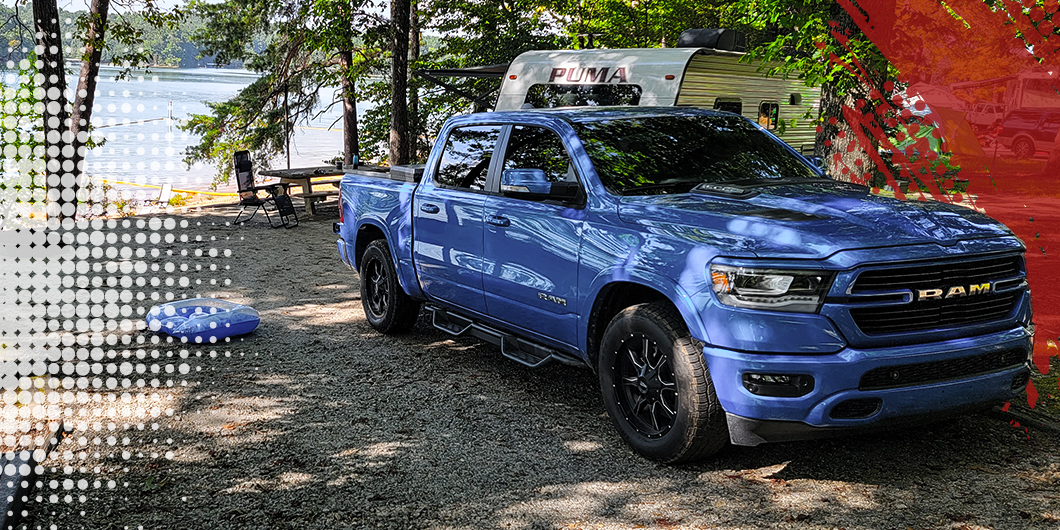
column 722, row 288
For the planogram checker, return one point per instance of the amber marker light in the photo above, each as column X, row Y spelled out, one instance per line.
column 720, row 281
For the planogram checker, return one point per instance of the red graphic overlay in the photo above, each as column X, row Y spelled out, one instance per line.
column 978, row 122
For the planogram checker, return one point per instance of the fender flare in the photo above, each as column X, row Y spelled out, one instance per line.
column 668, row 287
column 407, row 283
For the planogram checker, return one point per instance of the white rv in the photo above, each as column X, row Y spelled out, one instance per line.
column 705, row 70
column 694, row 77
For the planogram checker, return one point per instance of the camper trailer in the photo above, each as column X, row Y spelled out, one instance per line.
column 690, row 77
column 705, row 70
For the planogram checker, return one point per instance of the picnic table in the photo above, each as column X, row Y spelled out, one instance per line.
column 303, row 177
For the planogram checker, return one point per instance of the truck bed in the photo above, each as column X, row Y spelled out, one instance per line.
column 379, row 202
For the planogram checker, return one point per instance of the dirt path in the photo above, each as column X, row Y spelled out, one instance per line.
column 315, row 421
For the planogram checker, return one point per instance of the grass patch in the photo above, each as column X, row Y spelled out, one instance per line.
column 1048, row 391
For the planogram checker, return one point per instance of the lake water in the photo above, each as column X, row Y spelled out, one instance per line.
column 152, row 153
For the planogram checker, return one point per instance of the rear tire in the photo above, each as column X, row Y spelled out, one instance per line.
column 386, row 306
column 656, row 386
column 1023, row 148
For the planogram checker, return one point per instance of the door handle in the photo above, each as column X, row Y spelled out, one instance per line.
column 429, row 208
column 498, row 220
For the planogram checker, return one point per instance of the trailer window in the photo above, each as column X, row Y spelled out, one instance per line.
column 768, row 114
column 732, row 105
column 544, row 96
column 466, row 158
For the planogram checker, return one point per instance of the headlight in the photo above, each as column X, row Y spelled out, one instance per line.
column 798, row 291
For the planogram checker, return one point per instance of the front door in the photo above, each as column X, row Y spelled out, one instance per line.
column 532, row 245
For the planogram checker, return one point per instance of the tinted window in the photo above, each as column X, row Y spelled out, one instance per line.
column 1021, row 120
column 732, row 105
column 768, row 115
column 670, row 154
column 466, row 158
column 535, row 158
column 549, row 96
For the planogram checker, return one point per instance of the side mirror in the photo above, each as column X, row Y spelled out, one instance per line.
column 533, row 185
column 565, row 191
column 816, row 161
column 524, row 180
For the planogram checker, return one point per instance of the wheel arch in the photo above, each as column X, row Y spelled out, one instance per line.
column 1025, row 137
column 366, row 233
column 612, row 297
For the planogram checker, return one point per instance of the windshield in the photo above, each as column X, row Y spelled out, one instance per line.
column 673, row 154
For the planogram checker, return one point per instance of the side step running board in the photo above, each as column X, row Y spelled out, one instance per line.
column 520, row 350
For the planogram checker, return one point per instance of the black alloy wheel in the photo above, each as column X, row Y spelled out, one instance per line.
column 647, row 391
column 656, row 387
column 377, row 287
column 386, row 306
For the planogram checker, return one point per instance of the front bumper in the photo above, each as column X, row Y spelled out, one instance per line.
column 755, row 419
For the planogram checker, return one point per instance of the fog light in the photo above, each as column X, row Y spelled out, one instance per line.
column 1020, row 381
column 778, row 385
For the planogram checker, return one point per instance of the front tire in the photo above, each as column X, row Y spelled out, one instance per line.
column 386, row 306
column 656, row 386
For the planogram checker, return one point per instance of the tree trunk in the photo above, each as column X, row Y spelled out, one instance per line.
column 414, row 94
column 1052, row 166
column 834, row 138
column 62, row 187
column 350, row 138
column 81, row 114
column 399, row 71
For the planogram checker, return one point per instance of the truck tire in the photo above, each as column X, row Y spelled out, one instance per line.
column 656, row 387
column 1023, row 148
column 388, row 309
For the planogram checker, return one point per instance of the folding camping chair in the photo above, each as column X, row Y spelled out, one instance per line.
column 159, row 204
column 278, row 196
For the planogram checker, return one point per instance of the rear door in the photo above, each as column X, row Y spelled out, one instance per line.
column 532, row 244
column 448, row 216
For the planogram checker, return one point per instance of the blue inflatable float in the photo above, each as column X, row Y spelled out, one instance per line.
column 202, row 319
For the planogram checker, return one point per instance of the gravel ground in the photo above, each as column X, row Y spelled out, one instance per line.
column 316, row 421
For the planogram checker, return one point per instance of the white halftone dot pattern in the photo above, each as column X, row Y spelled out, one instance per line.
column 93, row 365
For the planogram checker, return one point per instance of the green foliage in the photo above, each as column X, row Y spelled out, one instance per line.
column 103, row 200
column 800, row 36
column 295, row 46
column 152, row 39
column 635, row 24
column 230, row 128
column 144, row 35
column 474, row 33
column 179, row 199
column 22, row 137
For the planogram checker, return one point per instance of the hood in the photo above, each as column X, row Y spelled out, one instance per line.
column 807, row 220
